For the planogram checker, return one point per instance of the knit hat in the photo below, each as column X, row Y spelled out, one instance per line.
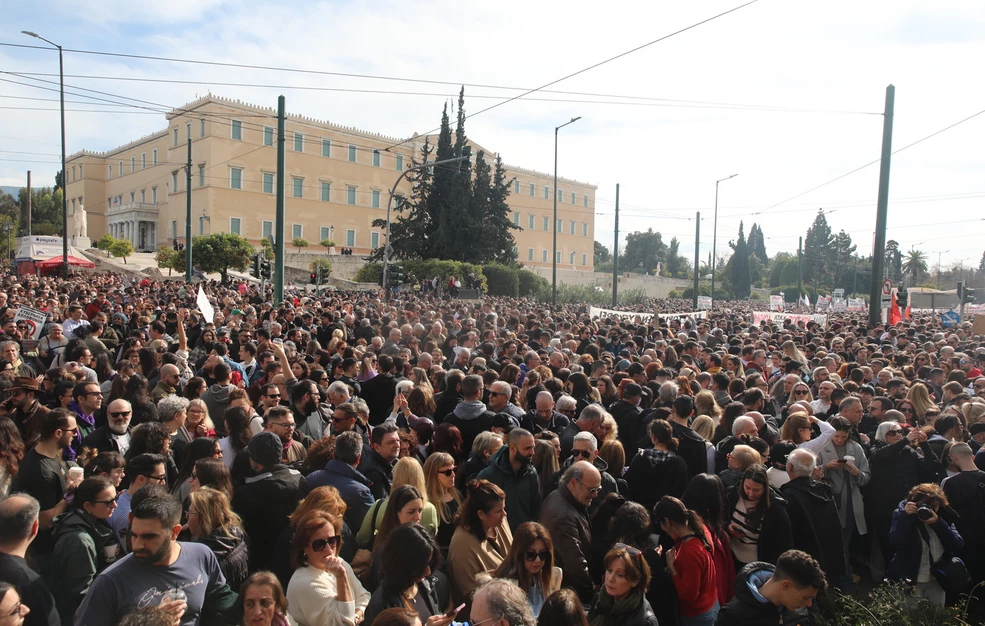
column 266, row 449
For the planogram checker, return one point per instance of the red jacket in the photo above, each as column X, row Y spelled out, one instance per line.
column 697, row 591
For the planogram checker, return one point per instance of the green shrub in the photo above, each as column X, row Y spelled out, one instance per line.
column 703, row 290
column 755, row 296
column 530, row 283
column 501, row 280
column 889, row 604
column 370, row 273
column 674, row 294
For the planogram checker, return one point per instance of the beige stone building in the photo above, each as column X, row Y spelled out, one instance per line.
column 337, row 181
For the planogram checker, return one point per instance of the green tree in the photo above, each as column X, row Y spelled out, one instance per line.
column 267, row 249
column 496, row 224
column 121, row 249
column 221, row 252
column 674, row 260
column 328, row 244
column 841, row 260
column 299, row 242
column 602, row 254
column 169, row 258
column 915, row 264
column 105, row 242
column 817, row 248
column 644, row 250
column 757, row 244
column 741, row 278
column 981, row 264
column 411, row 227
column 8, row 223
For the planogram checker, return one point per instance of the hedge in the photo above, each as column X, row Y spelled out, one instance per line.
column 501, row 280
column 530, row 283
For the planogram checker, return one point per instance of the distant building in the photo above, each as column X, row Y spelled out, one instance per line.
column 337, row 182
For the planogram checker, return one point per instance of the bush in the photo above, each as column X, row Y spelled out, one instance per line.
column 530, row 283
column 369, row 273
column 890, row 604
column 674, row 294
column 501, row 280
column 703, row 290
column 755, row 296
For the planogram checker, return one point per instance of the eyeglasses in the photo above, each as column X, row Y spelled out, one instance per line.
column 584, row 453
column 533, row 555
column 287, row 425
column 319, row 545
column 16, row 612
column 447, row 472
column 907, row 409
column 159, row 479
column 630, row 549
column 107, row 502
column 92, row 393
column 483, row 621
column 119, row 414
column 592, row 490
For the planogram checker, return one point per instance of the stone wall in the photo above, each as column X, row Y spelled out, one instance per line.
column 655, row 286
column 344, row 267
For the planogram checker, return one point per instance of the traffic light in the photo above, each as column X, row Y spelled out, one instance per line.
column 902, row 297
column 265, row 269
column 313, row 278
column 397, row 275
column 255, row 266
column 325, row 273
column 968, row 297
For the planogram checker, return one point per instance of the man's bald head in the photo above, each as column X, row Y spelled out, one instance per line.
column 545, row 401
column 18, row 519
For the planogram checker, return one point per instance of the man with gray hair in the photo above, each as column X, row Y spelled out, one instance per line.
column 814, row 517
column 585, row 448
column 498, row 602
column 565, row 515
column 18, row 528
column 500, row 393
column 590, row 421
column 173, row 411
column 743, row 430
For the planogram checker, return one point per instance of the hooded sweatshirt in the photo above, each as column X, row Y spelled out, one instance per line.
column 471, row 417
column 216, row 398
column 750, row 608
column 653, row 474
column 78, row 556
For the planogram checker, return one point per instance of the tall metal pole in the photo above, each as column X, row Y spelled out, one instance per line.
column 279, row 220
column 697, row 258
column 882, row 210
column 554, row 225
column 615, row 255
column 27, row 217
column 188, row 212
column 714, row 240
column 855, row 276
column 800, row 268
column 61, row 83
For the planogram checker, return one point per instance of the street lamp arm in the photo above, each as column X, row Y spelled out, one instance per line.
column 393, row 190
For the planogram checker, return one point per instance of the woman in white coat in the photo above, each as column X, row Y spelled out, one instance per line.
column 847, row 470
column 323, row 590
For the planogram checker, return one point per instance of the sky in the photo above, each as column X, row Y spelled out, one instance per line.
column 787, row 94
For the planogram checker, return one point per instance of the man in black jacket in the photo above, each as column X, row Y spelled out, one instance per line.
column 814, row 517
column 19, row 521
column 629, row 417
column 690, row 445
column 114, row 435
column 265, row 500
column 768, row 595
column 446, row 401
column 377, row 466
column 379, row 390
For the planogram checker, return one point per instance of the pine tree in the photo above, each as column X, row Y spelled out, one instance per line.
column 817, row 248
column 674, row 258
column 411, row 226
column 741, row 279
column 497, row 224
column 757, row 244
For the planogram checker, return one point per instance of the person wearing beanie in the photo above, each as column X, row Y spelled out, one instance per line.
column 266, row 498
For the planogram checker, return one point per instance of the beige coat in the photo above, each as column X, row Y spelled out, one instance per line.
column 468, row 558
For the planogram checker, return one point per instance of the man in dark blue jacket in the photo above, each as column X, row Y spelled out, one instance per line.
column 511, row 470
column 768, row 594
column 341, row 473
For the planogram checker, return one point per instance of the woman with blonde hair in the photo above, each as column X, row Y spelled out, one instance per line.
column 800, row 392
column 796, row 428
column 420, row 378
column 614, row 455
column 790, row 349
column 704, row 404
column 439, row 477
column 197, row 419
column 407, row 471
column 740, row 459
column 212, row 522
column 919, row 397
column 972, row 413
column 705, row 426
column 609, row 428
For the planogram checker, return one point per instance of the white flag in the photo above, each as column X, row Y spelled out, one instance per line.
column 205, row 306
column 807, row 301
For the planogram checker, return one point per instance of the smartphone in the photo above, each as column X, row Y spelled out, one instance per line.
column 455, row 610
column 843, row 460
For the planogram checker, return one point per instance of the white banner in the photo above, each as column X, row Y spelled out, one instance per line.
column 34, row 318
column 758, row 317
column 856, row 304
column 596, row 312
column 697, row 315
column 205, row 306
column 776, row 303
column 704, row 303
column 823, row 302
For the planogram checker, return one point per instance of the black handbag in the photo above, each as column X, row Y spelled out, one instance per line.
column 952, row 575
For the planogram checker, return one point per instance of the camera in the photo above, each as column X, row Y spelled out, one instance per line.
column 924, row 512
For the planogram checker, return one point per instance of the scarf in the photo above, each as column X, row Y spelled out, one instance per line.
column 609, row 612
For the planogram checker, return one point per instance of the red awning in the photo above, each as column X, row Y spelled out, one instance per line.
column 57, row 261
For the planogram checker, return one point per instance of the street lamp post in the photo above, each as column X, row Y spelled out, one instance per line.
column 61, row 81
column 714, row 240
column 554, row 225
column 939, row 268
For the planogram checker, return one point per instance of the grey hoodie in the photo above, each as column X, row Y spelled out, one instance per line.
column 470, row 410
column 216, row 398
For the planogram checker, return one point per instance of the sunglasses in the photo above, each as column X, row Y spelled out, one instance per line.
column 801, row 392
column 630, row 549
column 118, row 414
column 448, row 472
column 319, row 545
column 895, row 431
column 107, row 502
column 584, row 453
column 533, row 555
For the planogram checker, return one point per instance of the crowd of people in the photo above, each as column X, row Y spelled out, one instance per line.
column 346, row 459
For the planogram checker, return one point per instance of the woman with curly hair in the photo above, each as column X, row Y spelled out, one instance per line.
column 11, row 454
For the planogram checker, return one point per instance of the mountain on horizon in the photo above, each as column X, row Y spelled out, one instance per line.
column 11, row 190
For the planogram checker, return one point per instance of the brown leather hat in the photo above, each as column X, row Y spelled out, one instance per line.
column 26, row 382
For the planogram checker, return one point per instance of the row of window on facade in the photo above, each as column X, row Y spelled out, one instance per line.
column 297, row 231
column 573, row 198
column 236, row 181
column 546, row 222
column 546, row 256
column 118, row 200
column 120, row 165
